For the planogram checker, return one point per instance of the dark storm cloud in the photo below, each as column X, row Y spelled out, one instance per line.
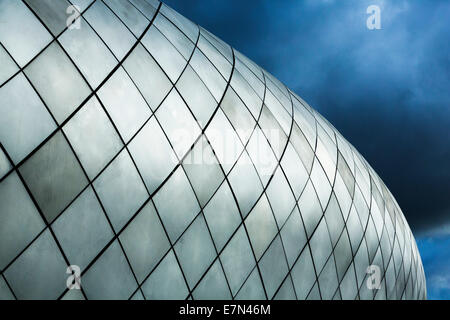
column 386, row 91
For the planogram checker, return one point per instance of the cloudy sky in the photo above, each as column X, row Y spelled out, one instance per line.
column 387, row 91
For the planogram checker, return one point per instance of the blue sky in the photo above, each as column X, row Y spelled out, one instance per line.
column 387, row 91
column 435, row 254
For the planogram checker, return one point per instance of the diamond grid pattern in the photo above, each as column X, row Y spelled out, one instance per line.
column 324, row 222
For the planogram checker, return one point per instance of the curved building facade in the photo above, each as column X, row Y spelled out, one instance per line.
column 142, row 157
